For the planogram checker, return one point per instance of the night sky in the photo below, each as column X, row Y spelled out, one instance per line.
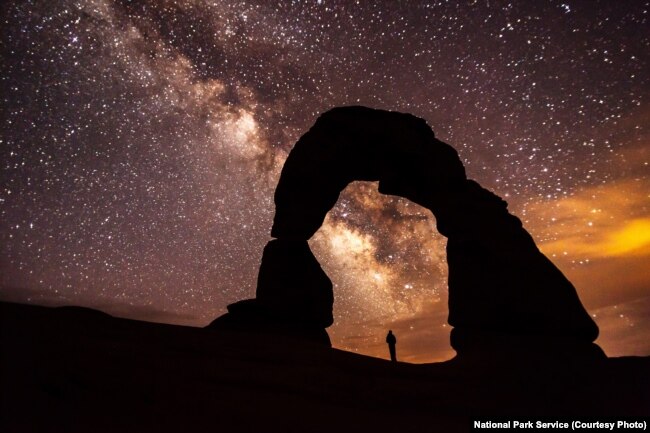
column 142, row 140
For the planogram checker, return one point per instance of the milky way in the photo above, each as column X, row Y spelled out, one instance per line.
column 141, row 143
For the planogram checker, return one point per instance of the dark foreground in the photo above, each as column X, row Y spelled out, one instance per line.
column 74, row 369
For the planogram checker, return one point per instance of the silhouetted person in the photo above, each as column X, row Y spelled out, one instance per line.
column 392, row 341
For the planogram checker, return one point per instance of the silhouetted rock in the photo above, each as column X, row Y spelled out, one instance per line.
column 292, row 283
column 357, row 143
column 345, row 144
column 252, row 317
column 499, row 281
column 294, row 295
column 500, row 284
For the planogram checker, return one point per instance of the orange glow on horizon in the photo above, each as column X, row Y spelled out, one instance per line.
column 630, row 239
column 634, row 238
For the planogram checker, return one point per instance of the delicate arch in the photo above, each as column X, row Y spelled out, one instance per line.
column 499, row 281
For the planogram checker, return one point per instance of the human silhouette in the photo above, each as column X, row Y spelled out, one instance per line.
column 392, row 341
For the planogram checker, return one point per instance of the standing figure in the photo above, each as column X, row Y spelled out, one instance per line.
column 392, row 341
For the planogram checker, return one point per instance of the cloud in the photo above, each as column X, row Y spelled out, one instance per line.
column 605, row 221
column 600, row 238
column 624, row 328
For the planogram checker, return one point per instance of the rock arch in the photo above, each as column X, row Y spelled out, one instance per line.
column 500, row 284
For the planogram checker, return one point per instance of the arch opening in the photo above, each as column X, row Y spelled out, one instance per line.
column 388, row 268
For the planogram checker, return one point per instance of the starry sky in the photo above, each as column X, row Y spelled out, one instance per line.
column 142, row 140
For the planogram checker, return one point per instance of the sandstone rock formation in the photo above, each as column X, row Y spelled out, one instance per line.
column 500, row 284
column 357, row 143
column 294, row 295
column 292, row 283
